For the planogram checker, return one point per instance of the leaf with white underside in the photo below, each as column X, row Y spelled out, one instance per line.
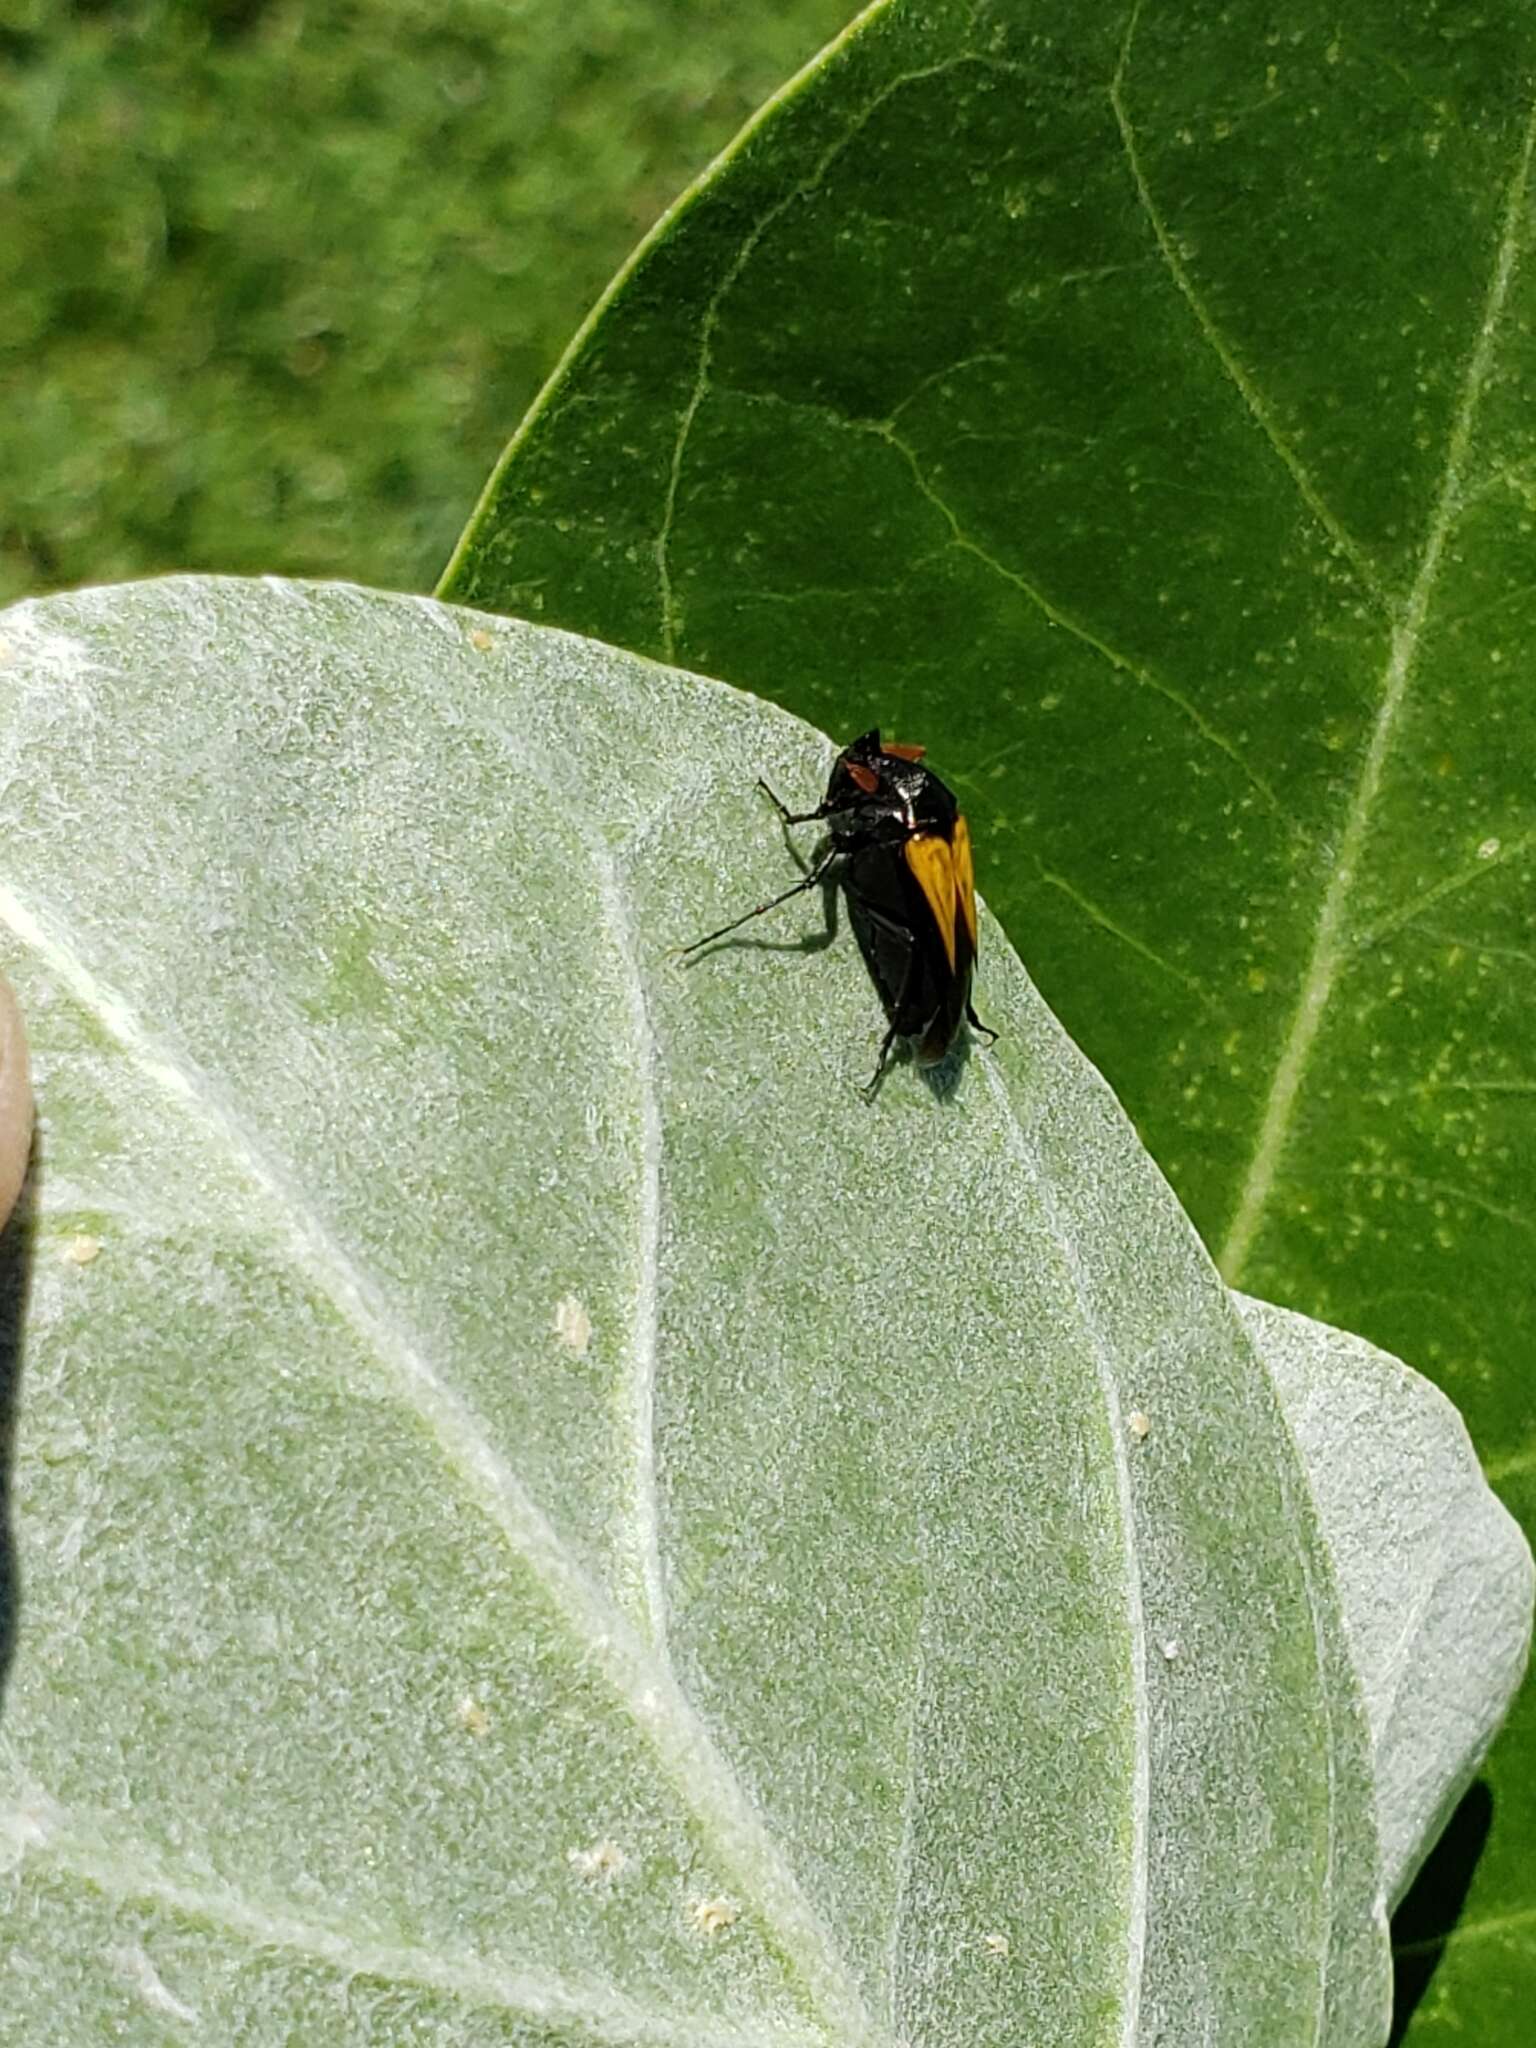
column 1433, row 1573
column 541, row 1517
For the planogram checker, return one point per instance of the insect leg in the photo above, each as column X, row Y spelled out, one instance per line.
column 872, row 1089
column 976, row 1024
column 817, row 874
column 791, row 817
column 896, row 1006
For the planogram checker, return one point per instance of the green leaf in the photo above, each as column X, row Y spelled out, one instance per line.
column 1132, row 403
column 541, row 1516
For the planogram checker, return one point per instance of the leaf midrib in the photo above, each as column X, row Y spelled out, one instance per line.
column 1136, row 1627
column 640, row 1677
column 1331, row 944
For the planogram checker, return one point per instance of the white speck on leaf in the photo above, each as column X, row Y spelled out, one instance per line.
column 31, row 1824
column 141, row 1973
column 572, row 1325
column 603, row 1861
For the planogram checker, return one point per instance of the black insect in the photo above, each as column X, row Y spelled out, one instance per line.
column 901, row 850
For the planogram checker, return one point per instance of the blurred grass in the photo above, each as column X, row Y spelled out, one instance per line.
column 279, row 277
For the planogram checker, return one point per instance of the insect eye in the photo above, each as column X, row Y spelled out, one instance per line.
column 863, row 778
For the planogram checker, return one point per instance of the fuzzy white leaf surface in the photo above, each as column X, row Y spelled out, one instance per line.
column 542, row 1518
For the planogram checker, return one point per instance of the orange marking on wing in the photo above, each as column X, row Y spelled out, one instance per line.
column 864, row 778
column 965, row 877
column 932, row 861
column 903, row 753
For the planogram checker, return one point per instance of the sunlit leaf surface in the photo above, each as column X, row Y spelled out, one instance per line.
column 1133, row 402
column 541, row 1517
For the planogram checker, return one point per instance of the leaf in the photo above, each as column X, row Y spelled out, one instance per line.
column 1430, row 1567
column 543, row 1518
column 1132, row 403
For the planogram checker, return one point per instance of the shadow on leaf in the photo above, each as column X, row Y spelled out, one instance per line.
column 1427, row 1918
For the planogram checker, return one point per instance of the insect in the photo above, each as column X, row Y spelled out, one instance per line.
column 900, row 847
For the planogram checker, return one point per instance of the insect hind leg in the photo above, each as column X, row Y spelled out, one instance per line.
column 872, row 1087
column 808, row 881
column 976, row 1024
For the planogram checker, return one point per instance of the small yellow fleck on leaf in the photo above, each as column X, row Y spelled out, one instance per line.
column 1138, row 1423
column 472, row 1716
column 482, row 640
column 81, row 1250
column 996, row 1944
column 602, row 1860
column 713, row 1916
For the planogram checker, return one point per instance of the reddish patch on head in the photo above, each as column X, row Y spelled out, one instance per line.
column 864, row 778
column 904, row 753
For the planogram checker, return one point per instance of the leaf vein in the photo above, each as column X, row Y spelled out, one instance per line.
column 1138, row 671
column 1467, row 1930
column 662, row 546
column 530, row 1995
column 1138, row 1894
column 906, row 1846
column 1105, row 922
column 641, row 1679
column 1220, row 347
column 1330, row 1858
column 1330, row 940
column 643, row 1351
column 1448, row 885
column 1515, row 1466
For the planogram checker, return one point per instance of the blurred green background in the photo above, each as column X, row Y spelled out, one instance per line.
column 278, row 278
